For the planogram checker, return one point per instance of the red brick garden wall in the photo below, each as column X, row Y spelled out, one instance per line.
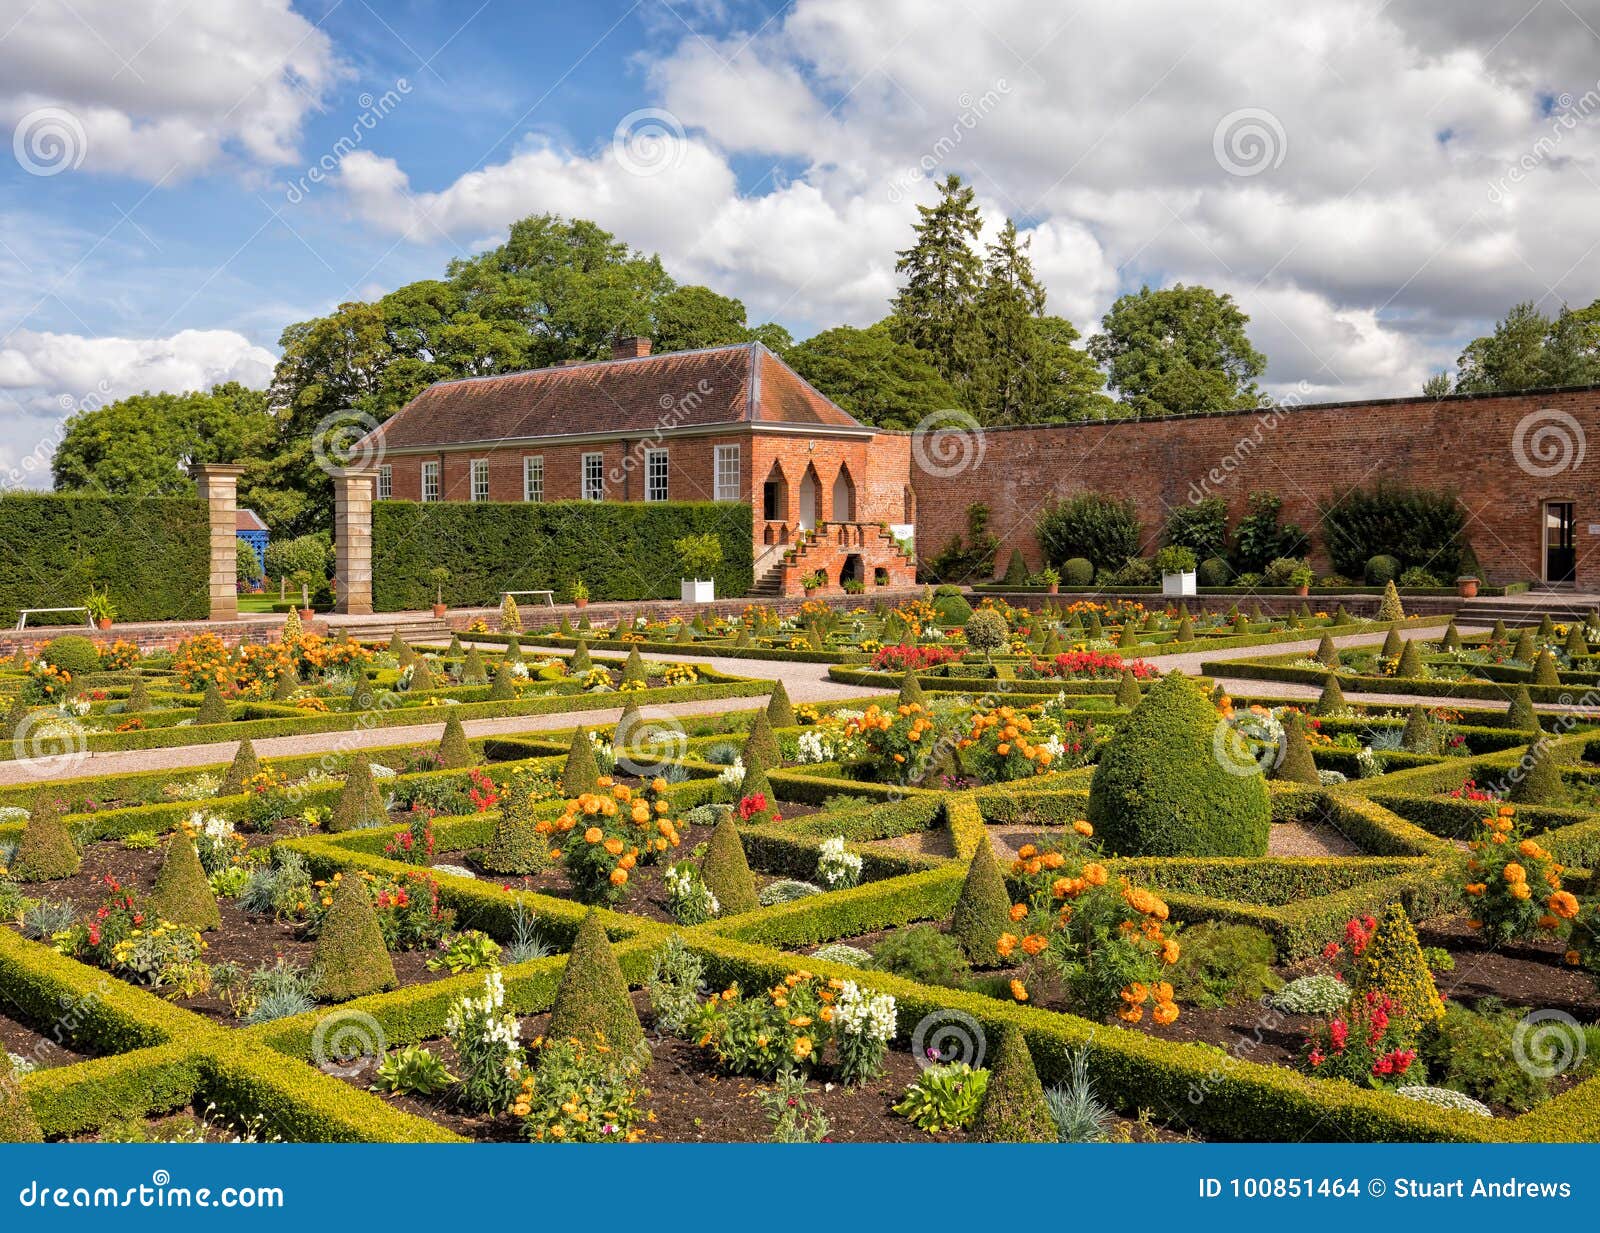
column 1504, row 456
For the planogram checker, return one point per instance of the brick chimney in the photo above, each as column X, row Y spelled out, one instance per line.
column 630, row 348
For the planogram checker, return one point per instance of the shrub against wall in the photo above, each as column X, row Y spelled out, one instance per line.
column 622, row 550
column 1418, row 527
column 152, row 554
column 1092, row 525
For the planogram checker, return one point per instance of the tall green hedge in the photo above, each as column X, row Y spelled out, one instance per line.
column 622, row 550
column 151, row 554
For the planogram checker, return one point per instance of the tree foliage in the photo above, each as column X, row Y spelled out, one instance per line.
column 1179, row 350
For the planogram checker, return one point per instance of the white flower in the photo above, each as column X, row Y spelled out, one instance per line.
column 518, row 670
column 837, row 867
column 814, row 746
column 733, row 774
column 868, row 1015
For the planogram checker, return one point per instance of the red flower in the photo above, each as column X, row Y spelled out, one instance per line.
column 751, row 805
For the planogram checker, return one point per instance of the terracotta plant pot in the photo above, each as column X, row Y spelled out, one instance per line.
column 104, row 622
column 1302, row 591
column 582, row 602
column 306, row 614
column 810, row 591
column 1055, row 588
column 439, row 610
column 1467, row 588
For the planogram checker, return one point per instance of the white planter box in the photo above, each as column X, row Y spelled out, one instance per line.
column 697, row 590
column 1178, row 584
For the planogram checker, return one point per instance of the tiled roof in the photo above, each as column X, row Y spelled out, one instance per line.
column 248, row 520
column 744, row 383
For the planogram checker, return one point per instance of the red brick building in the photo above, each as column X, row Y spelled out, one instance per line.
column 828, row 494
column 1518, row 462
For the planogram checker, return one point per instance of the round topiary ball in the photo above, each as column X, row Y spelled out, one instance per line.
column 1163, row 789
column 1381, row 569
column 71, row 653
column 1077, row 572
column 952, row 610
column 1213, row 572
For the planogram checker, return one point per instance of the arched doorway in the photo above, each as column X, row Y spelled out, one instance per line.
column 775, row 496
column 844, row 497
column 852, row 570
column 809, row 493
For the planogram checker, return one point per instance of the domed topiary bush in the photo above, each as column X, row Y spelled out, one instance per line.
column 45, row 852
column 1545, row 671
column 727, row 872
column 244, row 765
column 593, row 995
column 1213, row 572
column 71, row 653
column 1077, row 572
column 1163, row 786
column 1539, row 780
column 454, row 753
column 182, row 895
column 952, row 610
column 350, row 960
column 983, row 909
column 1014, row 1109
column 1381, row 569
column 986, row 631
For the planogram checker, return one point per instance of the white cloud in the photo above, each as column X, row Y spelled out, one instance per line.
column 1399, row 179
column 46, row 378
column 162, row 88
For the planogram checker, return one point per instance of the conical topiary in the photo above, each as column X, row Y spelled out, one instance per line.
column 580, row 774
column 1452, row 637
column 504, row 687
column 1538, row 780
column 726, row 872
column 182, row 894
column 983, row 909
column 633, row 670
column 1547, row 628
column 212, row 708
column 17, row 1121
column 1185, row 630
column 1523, row 648
column 683, row 637
column 472, row 669
column 45, row 851
column 1410, row 666
column 1498, row 633
column 1390, row 607
column 1520, row 714
column 580, row 661
column 360, row 804
column 421, row 673
column 761, row 744
column 1128, row 694
column 13, row 718
column 283, row 688
column 624, row 734
column 350, row 960
column 513, row 650
column 1127, row 639
column 1331, row 701
column 1296, row 765
column 1393, row 964
column 517, row 846
column 911, row 689
column 1014, row 1109
column 1393, row 644
column 1161, row 790
column 397, row 645
column 1545, row 671
column 593, row 995
column 780, row 714
column 1418, row 736
column 1327, row 654
column 453, row 651
column 138, row 699
column 1576, row 644
column 454, row 753
column 244, row 765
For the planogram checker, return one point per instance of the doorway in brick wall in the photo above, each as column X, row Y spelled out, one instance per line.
column 1560, row 547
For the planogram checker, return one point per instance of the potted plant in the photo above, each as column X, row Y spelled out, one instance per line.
column 1300, row 579
column 1177, row 565
column 1051, row 577
column 812, row 582
column 579, row 590
column 1468, row 573
column 699, row 555
column 101, row 610
column 303, row 578
column 438, row 575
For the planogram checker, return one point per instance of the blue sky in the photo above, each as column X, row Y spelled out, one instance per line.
column 159, row 227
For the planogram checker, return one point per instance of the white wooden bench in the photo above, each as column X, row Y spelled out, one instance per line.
column 22, row 617
column 549, row 596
